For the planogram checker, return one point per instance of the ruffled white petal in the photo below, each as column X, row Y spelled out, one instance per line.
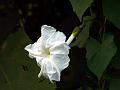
column 62, row 61
column 57, row 37
column 36, row 49
column 59, row 48
column 39, row 60
column 49, row 70
column 52, row 71
column 32, row 49
column 47, row 31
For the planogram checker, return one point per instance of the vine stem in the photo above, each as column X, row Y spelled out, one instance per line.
column 70, row 39
column 75, row 32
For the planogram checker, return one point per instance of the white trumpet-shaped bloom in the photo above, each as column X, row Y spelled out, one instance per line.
column 51, row 53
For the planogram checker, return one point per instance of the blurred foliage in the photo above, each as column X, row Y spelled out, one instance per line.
column 114, row 84
column 111, row 11
column 17, row 70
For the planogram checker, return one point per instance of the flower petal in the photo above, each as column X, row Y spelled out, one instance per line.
column 32, row 48
column 41, row 64
column 51, row 71
column 56, row 38
column 62, row 61
column 59, row 48
column 47, row 31
column 36, row 49
column 39, row 60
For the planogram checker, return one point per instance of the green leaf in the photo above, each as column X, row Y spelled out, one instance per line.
column 111, row 11
column 80, row 6
column 84, row 34
column 114, row 84
column 17, row 70
column 99, row 54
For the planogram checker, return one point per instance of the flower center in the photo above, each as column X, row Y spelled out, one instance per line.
column 47, row 52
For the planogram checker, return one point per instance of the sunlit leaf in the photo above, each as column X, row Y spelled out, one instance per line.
column 99, row 54
column 80, row 6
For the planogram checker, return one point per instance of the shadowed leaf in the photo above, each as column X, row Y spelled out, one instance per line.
column 17, row 70
column 99, row 55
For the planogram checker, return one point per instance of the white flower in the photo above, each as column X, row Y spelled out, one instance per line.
column 51, row 53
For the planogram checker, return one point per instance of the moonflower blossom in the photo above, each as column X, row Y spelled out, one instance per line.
column 51, row 53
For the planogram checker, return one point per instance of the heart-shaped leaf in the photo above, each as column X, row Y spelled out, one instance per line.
column 99, row 54
column 80, row 6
